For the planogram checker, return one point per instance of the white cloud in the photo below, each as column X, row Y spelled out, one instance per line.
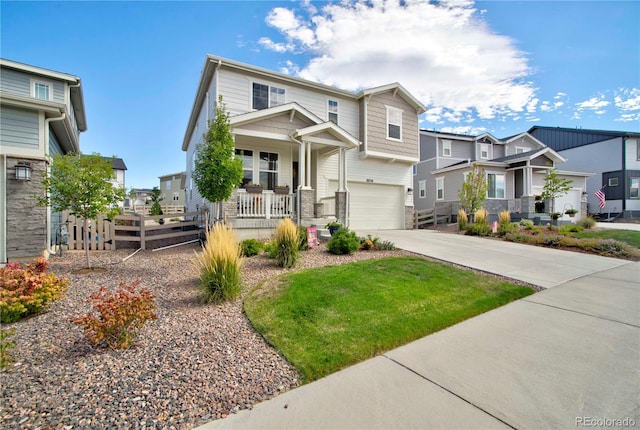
column 594, row 103
column 445, row 53
column 560, row 95
column 627, row 99
column 273, row 46
column 464, row 129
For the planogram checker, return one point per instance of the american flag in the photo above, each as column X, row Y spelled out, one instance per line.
column 600, row 195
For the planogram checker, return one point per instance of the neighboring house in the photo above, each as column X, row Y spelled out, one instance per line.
column 342, row 154
column 119, row 168
column 613, row 157
column 138, row 197
column 172, row 189
column 515, row 167
column 42, row 114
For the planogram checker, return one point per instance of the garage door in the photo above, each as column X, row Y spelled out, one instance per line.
column 375, row 206
column 570, row 200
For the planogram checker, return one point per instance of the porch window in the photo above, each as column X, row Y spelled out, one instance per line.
column 332, row 111
column 446, row 148
column 394, row 123
column 634, row 187
column 268, row 170
column 247, row 165
column 41, row 90
column 496, row 186
column 265, row 96
column 439, row 188
column 484, row 151
column 422, row 189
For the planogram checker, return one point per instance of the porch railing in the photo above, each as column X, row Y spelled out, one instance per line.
column 328, row 206
column 265, row 205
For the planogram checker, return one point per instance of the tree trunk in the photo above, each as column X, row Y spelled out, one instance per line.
column 86, row 241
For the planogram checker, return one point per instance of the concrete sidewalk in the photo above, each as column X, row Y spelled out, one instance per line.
column 568, row 357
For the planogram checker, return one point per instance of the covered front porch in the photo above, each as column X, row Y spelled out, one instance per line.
column 283, row 148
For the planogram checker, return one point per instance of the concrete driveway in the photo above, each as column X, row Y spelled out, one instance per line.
column 567, row 357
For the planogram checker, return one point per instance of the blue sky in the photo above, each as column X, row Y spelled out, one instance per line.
column 487, row 66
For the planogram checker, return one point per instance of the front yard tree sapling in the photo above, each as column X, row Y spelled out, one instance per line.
column 554, row 187
column 156, row 209
column 82, row 185
column 217, row 170
column 474, row 190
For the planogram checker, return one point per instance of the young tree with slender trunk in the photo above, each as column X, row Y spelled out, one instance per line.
column 474, row 190
column 554, row 187
column 217, row 171
column 82, row 185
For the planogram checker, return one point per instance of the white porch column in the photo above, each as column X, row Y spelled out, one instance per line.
column 308, row 167
column 302, row 165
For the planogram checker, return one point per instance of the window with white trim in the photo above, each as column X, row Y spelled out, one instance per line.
column 168, row 185
column 41, row 90
column 446, row 148
column 634, row 188
column 422, row 189
column 332, row 111
column 613, row 182
column 268, row 170
column 394, row 123
column 521, row 149
column 484, row 151
column 265, row 96
column 440, row 188
column 247, row 165
column 176, row 196
column 496, row 185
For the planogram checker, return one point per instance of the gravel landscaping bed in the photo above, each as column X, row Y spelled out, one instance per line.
column 194, row 364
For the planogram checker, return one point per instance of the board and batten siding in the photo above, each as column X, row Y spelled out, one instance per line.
column 19, row 128
column 376, row 121
column 632, row 155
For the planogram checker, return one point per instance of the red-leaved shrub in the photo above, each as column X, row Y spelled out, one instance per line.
column 120, row 315
column 26, row 290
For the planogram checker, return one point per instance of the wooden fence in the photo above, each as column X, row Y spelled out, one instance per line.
column 144, row 209
column 433, row 216
column 106, row 235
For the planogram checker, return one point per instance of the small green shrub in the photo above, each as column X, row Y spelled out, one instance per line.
column 303, row 244
column 586, row 222
column 567, row 229
column 251, row 247
column 286, row 237
column 27, row 290
column 120, row 315
column 343, row 241
column 6, row 347
column 271, row 249
column 386, row 245
column 507, row 227
column 463, row 219
column 369, row 243
column 479, row 229
column 219, row 265
column 526, row 223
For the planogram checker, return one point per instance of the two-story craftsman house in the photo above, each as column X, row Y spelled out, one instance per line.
column 341, row 154
column 515, row 168
column 42, row 114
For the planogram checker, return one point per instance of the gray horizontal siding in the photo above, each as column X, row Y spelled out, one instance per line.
column 54, row 145
column 19, row 128
column 19, row 83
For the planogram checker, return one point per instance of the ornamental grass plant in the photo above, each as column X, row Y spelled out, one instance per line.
column 287, row 243
column 463, row 219
column 219, row 265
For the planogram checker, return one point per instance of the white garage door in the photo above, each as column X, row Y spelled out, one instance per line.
column 375, row 206
column 570, row 200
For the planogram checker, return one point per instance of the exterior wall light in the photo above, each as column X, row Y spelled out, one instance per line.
column 23, row 171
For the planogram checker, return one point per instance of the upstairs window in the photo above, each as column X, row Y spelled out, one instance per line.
column 422, row 189
column 332, row 111
column 521, row 150
column 446, row 148
column 265, row 96
column 394, row 123
column 484, row 151
column 41, row 90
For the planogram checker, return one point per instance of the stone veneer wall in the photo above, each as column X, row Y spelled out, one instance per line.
column 408, row 217
column 341, row 206
column 26, row 222
column 307, row 203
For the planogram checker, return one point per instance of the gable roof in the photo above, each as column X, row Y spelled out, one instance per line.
column 213, row 63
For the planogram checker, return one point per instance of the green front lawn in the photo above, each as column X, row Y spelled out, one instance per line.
column 628, row 236
column 325, row 319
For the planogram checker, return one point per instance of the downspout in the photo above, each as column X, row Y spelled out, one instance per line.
column 48, row 121
column 3, row 214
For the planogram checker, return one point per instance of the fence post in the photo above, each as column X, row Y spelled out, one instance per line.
column 142, row 233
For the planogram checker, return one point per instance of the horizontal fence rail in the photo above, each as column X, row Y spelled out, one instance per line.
column 427, row 217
